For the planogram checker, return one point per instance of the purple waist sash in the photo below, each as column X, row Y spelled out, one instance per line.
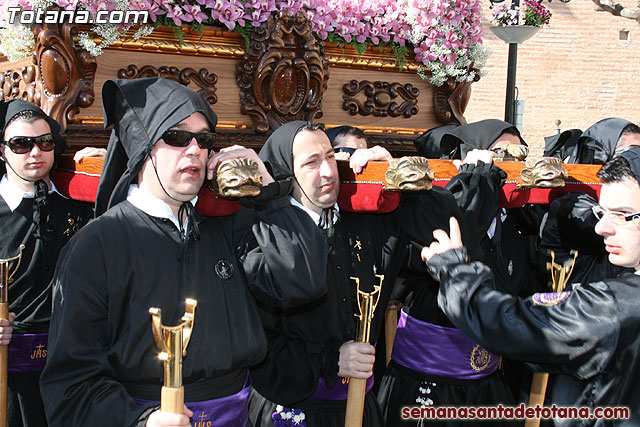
column 438, row 350
column 338, row 392
column 27, row 352
column 228, row 411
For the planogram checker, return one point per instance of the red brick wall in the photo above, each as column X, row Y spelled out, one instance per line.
column 575, row 70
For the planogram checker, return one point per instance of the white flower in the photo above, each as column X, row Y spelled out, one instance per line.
column 17, row 41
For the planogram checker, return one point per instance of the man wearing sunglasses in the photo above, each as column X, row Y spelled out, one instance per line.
column 33, row 214
column 149, row 248
column 588, row 334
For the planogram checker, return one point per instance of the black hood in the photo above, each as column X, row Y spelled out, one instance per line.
column 277, row 151
column 141, row 110
column 429, row 143
column 9, row 109
column 333, row 132
column 561, row 145
column 598, row 143
column 632, row 155
column 478, row 135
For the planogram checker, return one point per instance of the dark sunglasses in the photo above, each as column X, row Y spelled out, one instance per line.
column 182, row 138
column 24, row 144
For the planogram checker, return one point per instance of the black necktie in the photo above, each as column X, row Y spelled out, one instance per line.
column 327, row 218
column 187, row 209
column 41, row 217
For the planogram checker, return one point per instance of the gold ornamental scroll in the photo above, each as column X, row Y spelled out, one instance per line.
column 172, row 341
column 5, row 279
column 560, row 274
column 367, row 303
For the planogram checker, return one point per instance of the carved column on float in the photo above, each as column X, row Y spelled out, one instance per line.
column 284, row 73
column 450, row 100
column 65, row 73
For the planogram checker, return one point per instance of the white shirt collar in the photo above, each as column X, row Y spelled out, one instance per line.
column 315, row 217
column 13, row 195
column 153, row 206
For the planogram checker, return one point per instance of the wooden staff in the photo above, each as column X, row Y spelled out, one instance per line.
column 367, row 302
column 559, row 277
column 172, row 343
column 390, row 329
column 5, row 279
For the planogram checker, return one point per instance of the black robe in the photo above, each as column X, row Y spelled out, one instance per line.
column 102, row 352
column 304, row 342
column 29, row 294
column 588, row 336
column 30, row 290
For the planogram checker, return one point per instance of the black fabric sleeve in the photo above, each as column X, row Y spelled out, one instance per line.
column 575, row 336
column 476, row 189
column 282, row 251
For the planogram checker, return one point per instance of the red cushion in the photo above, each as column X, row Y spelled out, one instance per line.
column 514, row 197
column 76, row 185
column 367, row 198
column 210, row 204
column 83, row 186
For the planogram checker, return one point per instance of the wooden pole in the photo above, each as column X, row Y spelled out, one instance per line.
column 390, row 329
column 560, row 275
column 355, row 402
column 537, row 395
column 367, row 302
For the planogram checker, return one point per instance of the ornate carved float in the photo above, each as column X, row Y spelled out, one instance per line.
column 283, row 73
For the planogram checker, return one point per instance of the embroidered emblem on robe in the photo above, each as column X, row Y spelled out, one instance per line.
column 224, row 269
column 480, row 358
column 550, row 298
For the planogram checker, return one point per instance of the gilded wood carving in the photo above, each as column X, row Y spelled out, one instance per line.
column 205, row 80
column 382, row 99
column 65, row 73
column 19, row 84
column 284, row 73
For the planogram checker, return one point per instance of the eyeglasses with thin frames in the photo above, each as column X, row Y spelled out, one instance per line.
column 619, row 218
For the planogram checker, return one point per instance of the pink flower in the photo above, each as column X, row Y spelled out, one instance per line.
column 178, row 16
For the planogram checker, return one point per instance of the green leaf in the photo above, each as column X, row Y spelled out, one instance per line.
column 360, row 48
column 245, row 32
